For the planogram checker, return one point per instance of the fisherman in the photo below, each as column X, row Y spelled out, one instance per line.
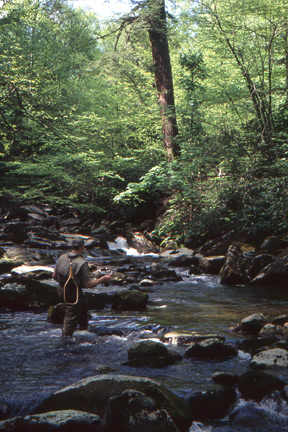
column 77, row 311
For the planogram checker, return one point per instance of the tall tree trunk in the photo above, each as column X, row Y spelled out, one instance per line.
column 163, row 76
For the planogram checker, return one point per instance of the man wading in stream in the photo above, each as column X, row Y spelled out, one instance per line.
column 76, row 310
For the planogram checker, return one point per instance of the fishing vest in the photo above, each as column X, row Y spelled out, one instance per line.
column 63, row 267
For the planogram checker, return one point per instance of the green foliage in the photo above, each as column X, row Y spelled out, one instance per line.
column 80, row 122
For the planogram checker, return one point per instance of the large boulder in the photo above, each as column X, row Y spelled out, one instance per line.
column 152, row 354
column 235, row 269
column 23, row 293
column 92, row 395
column 59, row 421
column 275, row 274
column 133, row 411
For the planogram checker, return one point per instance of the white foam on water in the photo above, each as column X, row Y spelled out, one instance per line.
column 121, row 244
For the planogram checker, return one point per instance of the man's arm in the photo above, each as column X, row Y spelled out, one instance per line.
column 93, row 282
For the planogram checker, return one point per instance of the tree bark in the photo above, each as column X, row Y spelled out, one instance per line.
column 163, row 77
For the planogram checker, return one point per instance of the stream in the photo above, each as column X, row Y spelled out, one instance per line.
column 35, row 361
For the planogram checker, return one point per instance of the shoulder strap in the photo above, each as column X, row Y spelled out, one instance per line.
column 71, row 278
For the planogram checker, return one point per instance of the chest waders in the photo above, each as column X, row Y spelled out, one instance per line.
column 71, row 285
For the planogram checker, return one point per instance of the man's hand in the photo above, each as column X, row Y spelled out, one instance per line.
column 92, row 283
column 106, row 278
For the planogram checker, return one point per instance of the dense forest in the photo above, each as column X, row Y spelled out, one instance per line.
column 175, row 112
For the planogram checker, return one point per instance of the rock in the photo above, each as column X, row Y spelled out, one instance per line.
column 259, row 263
column 275, row 274
column 194, row 270
column 181, row 258
column 142, row 244
column 284, row 393
column 211, row 349
column 6, row 265
column 92, row 394
column 16, row 231
column 271, row 358
column 229, row 379
column 152, row 354
column 40, row 243
column 133, row 411
column 22, row 293
column 24, row 256
column 177, row 253
column 130, row 300
column 258, row 384
column 56, row 313
column 212, row 404
column 285, row 330
column 273, row 243
column 211, row 265
column 117, row 278
column 271, row 330
column 60, row 421
column 235, row 269
column 280, row 320
column 252, row 344
column 159, row 271
column 147, row 282
column 187, row 339
column 218, row 246
column 253, row 323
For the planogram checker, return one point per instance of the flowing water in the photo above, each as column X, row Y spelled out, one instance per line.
column 36, row 361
